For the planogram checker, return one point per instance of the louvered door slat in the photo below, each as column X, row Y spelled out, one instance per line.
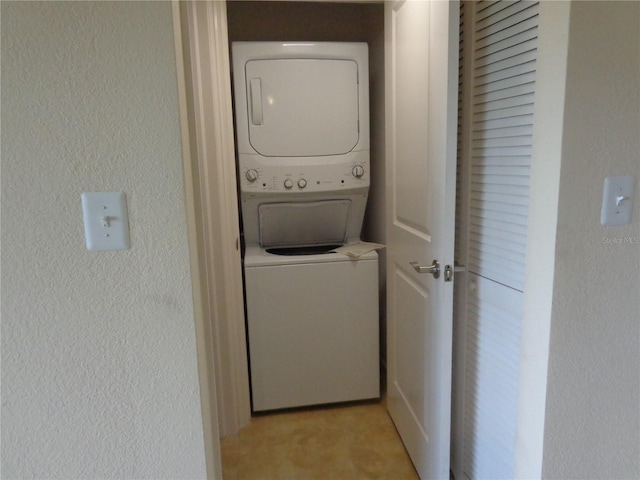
column 489, row 37
column 520, row 92
column 489, row 226
column 508, row 252
column 486, row 68
column 502, row 161
column 511, row 121
column 507, row 246
column 494, row 237
column 508, row 130
column 518, row 109
column 506, row 19
column 495, row 43
column 492, row 142
column 489, row 56
column 486, row 104
column 491, row 8
column 502, row 152
column 508, row 189
column 507, row 218
column 496, row 83
column 479, row 207
column 514, row 71
column 499, row 244
column 500, row 198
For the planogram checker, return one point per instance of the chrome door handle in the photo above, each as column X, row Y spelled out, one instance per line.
column 433, row 269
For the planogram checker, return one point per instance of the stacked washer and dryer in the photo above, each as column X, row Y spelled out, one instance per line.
column 302, row 125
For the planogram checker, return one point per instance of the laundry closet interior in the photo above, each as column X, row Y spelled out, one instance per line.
column 277, row 381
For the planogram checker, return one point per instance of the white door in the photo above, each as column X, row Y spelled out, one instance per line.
column 421, row 57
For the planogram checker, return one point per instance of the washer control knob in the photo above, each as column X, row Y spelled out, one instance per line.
column 357, row 171
column 302, row 183
column 288, row 183
column 252, row 175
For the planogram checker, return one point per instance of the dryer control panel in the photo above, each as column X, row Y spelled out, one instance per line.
column 304, row 176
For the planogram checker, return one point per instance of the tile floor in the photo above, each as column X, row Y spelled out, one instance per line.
column 351, row 442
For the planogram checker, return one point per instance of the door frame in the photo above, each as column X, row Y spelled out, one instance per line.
column 204, row 84
column 221, row 346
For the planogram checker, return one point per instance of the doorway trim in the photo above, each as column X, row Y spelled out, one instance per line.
column 200, row 30
column 553, row 38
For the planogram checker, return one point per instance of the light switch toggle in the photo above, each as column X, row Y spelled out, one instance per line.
column 106, row 224
column 617, row 200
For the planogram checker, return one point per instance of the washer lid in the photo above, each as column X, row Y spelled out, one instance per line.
column 302, row 107
column 305, row 223
column 258, row 257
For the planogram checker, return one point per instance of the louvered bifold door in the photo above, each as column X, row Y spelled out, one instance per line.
column 504, row 63
column 499, row 51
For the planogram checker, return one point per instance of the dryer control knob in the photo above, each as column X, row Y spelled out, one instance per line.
column 302, row 183
column 288, row 183
column 357, row 171
column 252, row 174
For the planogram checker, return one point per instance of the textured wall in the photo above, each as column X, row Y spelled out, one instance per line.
column 592, row 427
column 99, row 375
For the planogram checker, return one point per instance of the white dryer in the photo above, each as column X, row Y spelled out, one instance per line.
column 302, row 124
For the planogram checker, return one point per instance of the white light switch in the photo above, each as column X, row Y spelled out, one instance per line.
column 106, row 225
column 617, row 200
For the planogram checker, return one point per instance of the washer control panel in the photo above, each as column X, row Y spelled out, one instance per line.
column 257, row 177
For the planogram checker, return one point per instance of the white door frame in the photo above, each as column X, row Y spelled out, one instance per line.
column 553, row 36
column 200, row 30
column 211, row 200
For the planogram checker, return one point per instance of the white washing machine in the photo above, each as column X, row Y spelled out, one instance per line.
column 302, row 124
column 313, row 328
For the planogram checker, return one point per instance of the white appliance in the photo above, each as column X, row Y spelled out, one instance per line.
column 302, row 125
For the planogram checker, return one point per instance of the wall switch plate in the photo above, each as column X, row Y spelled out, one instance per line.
column 617, row 200
column 106, row 225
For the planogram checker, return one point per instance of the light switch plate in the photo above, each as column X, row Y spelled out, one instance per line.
column 106, row 224
column 617, row 200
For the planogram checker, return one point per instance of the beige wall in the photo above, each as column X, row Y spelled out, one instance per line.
column 592, row 427
column 99, row 373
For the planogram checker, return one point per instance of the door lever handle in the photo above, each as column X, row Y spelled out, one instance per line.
column 433, row 269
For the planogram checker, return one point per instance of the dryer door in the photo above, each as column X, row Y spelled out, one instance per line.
column 302, row 107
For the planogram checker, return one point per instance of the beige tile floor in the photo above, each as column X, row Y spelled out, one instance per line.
column 350, row 442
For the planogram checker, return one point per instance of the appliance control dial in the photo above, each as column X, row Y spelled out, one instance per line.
column 302, row 183
column 288, row 183
column 252, row 175
column 357, row 171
